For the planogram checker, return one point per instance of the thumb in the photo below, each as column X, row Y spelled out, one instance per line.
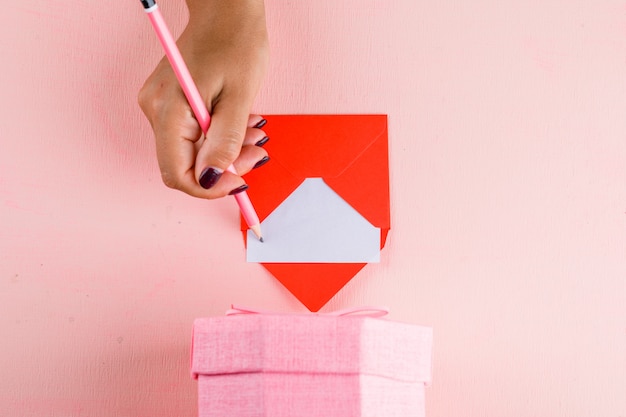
column 222, row 145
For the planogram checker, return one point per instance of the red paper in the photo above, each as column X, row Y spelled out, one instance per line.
column 350, row 153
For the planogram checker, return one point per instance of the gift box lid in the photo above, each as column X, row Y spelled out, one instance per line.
column 311, row 343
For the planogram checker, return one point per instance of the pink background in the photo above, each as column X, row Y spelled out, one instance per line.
column 507, row 133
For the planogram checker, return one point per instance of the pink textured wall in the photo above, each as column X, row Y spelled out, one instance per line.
column 508, row 176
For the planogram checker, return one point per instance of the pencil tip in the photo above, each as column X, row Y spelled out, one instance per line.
column 256, row 229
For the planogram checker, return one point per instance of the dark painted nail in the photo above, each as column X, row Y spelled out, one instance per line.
column 261, row 162
column 209, row 177
column 260, row 124
column 238, row 190
column 262, row 141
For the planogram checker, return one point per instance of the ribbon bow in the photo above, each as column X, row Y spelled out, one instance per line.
column 366, row 311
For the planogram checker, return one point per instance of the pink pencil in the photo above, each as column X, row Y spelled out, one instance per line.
column 195, row 100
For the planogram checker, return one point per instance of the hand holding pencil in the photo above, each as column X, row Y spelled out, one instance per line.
column 224, row 47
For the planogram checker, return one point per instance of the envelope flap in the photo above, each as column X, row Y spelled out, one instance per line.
column 323, row 145
column 314, row 284
column 348, row 151
column 365, row 185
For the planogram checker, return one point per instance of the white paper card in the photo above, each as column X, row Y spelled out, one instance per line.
column 315, row 225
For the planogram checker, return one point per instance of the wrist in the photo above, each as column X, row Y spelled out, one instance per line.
column 226, row 16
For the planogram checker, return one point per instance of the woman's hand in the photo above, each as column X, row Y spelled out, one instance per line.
column 226, row 50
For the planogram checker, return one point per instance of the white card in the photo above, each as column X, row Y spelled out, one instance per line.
column 314, row 224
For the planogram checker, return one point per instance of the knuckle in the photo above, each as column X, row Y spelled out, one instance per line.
column 144, row 98
column 170, row 181
column 229, row 147
column 150, row 98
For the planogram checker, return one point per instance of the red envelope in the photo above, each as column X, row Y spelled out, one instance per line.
column 350, row 153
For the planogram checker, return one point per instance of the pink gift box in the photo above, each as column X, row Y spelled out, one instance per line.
column 271, row 365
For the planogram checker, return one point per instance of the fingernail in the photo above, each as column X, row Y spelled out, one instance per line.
column 209, row 177
column 260, row 124
column 262, row 141
column 261, row 162
column 238, row 190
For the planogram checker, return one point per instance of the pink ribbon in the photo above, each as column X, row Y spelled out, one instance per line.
column 366, row 311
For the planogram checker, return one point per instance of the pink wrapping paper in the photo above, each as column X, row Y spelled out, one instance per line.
column 310, row 365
